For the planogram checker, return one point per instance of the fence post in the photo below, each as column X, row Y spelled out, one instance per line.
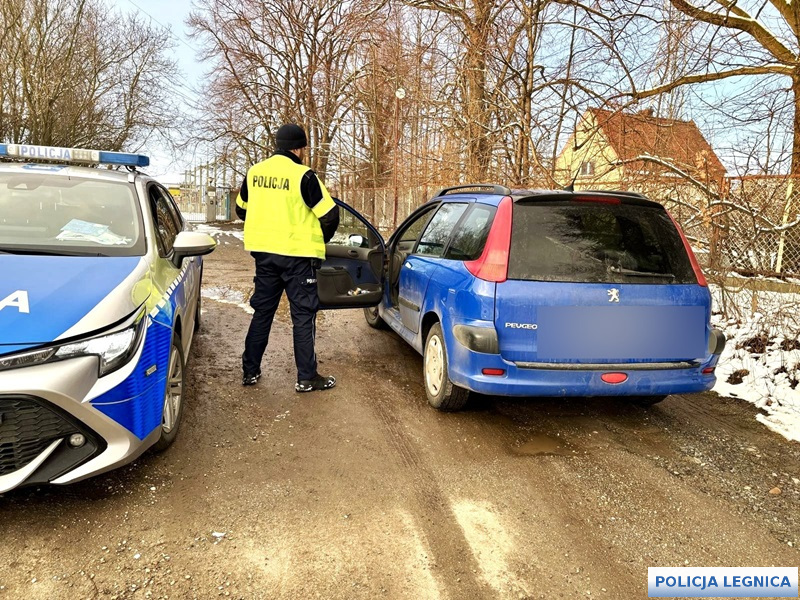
column 782, row 242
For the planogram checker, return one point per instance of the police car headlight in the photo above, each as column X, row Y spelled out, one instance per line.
column 113, row 350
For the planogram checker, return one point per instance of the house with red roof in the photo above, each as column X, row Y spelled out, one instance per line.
column 615, row 149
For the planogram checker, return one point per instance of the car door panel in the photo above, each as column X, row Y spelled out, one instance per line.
column 418, row 268
column 415, row 274
column 352, row 276
column 402, row 245
column 366, row 263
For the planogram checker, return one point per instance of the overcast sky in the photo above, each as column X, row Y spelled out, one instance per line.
column 172, row 14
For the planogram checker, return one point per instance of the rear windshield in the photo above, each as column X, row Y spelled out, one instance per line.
column 55, row 214
column 595, row 242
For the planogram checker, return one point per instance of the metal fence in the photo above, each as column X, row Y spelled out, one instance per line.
column 384, row 207
column 753, row 229
column 203, row 204
column 749, row 227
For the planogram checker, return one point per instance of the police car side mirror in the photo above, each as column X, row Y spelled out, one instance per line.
column 191, row 243
column 358, row 241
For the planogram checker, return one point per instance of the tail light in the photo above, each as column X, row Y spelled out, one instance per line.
column 614, row 377
column 495, row 372
column 698, row 272
column 493, row 262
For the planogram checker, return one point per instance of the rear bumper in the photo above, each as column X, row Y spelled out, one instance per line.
column 466, row 370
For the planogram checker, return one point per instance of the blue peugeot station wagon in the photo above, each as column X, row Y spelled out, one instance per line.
column 99, row 302
column 542, row 293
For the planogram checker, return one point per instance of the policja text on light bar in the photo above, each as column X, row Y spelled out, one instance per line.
column 72, row 155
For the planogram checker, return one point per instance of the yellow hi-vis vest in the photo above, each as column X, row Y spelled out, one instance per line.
column 278, row 219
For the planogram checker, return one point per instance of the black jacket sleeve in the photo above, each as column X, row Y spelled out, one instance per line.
column 241, row 201
column 312, row 193
column 329, row 223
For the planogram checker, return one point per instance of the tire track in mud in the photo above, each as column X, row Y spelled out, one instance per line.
column 455, row 565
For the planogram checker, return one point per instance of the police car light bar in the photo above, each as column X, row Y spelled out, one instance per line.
column 72, row 155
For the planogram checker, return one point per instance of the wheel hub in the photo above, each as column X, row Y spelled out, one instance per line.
column 434, row 365
column 174, row 394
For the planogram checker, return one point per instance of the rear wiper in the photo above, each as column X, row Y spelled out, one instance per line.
column 633, row 273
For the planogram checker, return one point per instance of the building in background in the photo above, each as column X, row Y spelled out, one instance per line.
column 607, row 147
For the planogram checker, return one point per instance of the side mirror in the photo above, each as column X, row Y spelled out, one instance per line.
column 357, row 240
column 191, row 243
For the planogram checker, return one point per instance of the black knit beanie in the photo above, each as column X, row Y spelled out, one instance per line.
column 290, row 137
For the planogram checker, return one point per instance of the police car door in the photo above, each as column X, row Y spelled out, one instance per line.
column 352, row 274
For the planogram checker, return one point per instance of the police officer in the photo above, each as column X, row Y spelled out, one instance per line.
column 288, row 217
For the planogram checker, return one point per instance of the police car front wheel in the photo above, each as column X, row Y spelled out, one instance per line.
column 173, row 397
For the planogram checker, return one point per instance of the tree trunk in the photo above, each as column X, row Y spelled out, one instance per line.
column 477, row 119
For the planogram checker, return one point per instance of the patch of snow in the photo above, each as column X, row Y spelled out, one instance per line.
column 216, row 231
column 227, row 295
column 762, row 328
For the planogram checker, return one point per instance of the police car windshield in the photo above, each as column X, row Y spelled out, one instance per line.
column 51, row 213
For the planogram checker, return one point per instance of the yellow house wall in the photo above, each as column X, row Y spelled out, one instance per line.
column 588, row 144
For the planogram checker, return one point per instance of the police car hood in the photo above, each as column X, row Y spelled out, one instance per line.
column 47, row 298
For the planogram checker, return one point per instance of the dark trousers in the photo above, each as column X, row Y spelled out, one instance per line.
column 274, row 274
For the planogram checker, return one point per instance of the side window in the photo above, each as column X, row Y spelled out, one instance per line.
column 470, row 237
column 434, row 239
column 176, row 212
column 166, row 226
column 352, row 231
column 412, row 231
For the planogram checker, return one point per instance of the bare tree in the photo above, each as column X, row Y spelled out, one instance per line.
column 738, row 39
column 74, row 74
column 476, row 20
column 279, row 61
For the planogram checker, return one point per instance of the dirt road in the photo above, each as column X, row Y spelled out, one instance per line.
column 366, row 492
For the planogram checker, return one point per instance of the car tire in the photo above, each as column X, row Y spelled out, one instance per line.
column 373, row 318
column 646, row 401
column 441, row 392
column 173, row 397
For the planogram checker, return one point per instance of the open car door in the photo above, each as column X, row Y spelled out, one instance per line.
column 353, row 274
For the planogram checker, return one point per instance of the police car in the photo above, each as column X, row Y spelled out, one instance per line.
column 99, row 302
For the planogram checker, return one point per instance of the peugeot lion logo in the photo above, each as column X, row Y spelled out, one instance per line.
column 613, row 295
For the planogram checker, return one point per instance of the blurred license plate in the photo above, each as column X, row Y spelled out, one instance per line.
column 621, row 332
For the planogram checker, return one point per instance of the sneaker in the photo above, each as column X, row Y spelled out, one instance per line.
column 251, row 379
column 318, row 383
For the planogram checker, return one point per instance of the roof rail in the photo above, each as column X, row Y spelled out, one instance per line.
column 496, row 189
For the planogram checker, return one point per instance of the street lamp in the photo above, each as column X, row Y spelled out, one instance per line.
column 399, row 94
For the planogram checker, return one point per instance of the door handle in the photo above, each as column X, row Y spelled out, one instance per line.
column 352, row 253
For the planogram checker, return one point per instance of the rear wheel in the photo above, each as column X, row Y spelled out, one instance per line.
column 645, row 401
column 373, row 318
column 173, row 397
column 442, row 394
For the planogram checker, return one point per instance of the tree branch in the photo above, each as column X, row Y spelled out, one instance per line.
column 743, row 23
column 788, row 12
column 776, row 69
